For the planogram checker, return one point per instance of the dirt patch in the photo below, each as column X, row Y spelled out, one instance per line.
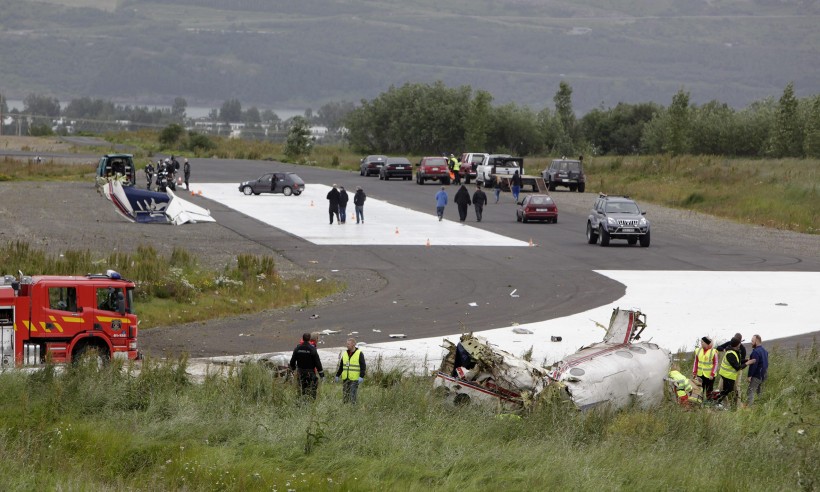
column 35, row 144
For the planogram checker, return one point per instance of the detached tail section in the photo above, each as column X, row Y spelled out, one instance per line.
column 145, row 207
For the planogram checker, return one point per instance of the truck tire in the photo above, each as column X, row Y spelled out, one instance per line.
column 592, row 236
column 91, row 351
column 467, row 179
column 551, row 185
column 645, row 240
column 581, row 187
column 604, row 236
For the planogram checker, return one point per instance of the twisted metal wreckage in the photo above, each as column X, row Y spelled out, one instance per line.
column 145, row 206
column 618, row 371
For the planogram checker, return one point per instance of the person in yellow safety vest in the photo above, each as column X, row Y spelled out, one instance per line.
column 729, row 368
column 683, row 388
column 352, row 369
column 456, row 169
column 705, row 366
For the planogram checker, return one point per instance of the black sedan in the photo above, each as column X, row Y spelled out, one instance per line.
column 396, row 167
column 285, row 183
column 372, row 164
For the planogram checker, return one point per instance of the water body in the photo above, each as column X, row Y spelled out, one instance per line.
column 190, row 111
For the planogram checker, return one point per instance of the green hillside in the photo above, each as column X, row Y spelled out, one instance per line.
column 308, row 52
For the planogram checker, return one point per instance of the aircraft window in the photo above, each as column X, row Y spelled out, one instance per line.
column 624, row 354
column 577, row 371
column 639, row 350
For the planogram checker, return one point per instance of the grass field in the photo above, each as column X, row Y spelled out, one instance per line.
column 115, row 428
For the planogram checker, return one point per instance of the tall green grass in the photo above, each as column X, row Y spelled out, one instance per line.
column 116, row 428
column 15, row 169
column 780, row 193
column 177, row 289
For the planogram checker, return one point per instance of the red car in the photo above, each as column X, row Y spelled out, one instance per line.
column 537, row 207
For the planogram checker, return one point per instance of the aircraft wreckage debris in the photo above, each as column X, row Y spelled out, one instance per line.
column 617, row 372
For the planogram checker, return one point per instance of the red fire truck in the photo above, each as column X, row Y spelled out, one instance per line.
column 60, row 318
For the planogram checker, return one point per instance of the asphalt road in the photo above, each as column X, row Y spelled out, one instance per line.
column 424, row 291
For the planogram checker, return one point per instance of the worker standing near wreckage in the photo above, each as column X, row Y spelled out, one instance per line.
column 352, row 369
column 305, row 360
column 730, row 367
column 705, row 366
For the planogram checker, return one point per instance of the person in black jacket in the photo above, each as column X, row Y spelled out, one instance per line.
column 305, row 360
column 463, row 201
column 343, row 198
column 186, row 171
column 479, row 200
column 515, row 185
column 333, row 197
column 358, row 203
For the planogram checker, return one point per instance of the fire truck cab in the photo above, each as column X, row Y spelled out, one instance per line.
column 60, row 318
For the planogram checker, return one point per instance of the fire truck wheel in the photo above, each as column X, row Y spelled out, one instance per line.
column 100, row 356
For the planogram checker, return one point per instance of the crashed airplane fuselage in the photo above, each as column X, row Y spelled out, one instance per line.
column 146, row 206
column 616, row 372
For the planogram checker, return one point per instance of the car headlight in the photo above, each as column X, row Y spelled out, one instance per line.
column 643, row 222
column 610, row 221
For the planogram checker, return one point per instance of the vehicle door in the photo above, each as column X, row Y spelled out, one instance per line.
column 282, row 180
column 597, row 213
column 262, row 185
column 106, row 312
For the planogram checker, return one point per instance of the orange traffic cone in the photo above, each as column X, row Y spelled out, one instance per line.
column 193, row 194
column 428, row 242
column 199, row 192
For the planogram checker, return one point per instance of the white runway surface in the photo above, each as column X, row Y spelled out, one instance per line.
column 681, row 306
column 306, row 216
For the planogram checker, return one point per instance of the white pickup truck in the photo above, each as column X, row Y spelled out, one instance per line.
column 498, row 164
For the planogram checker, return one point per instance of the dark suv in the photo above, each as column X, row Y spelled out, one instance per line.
column 396, row 167
column 617, row 217
column 372, row 164
column 433, row 169
column 111, row 165
column 565, row 172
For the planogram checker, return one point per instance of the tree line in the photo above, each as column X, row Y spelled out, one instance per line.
column 433, row 118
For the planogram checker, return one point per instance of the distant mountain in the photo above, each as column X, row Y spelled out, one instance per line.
column 304, row 53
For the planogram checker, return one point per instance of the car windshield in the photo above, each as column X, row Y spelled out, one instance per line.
column 540, row 200
column 477, row 159
column 401, row 162
column 438, row 161
column 572, row 166
column 622, row 208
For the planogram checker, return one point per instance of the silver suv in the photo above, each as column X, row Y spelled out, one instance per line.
column 617, row 217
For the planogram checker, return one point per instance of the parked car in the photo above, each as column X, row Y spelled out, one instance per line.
column 469, row 165
column 617, row 217
column 372, row 164
column 565, row 172
column 433, row 169
column 396, row 167
column 286, row 183
column 537, row 207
